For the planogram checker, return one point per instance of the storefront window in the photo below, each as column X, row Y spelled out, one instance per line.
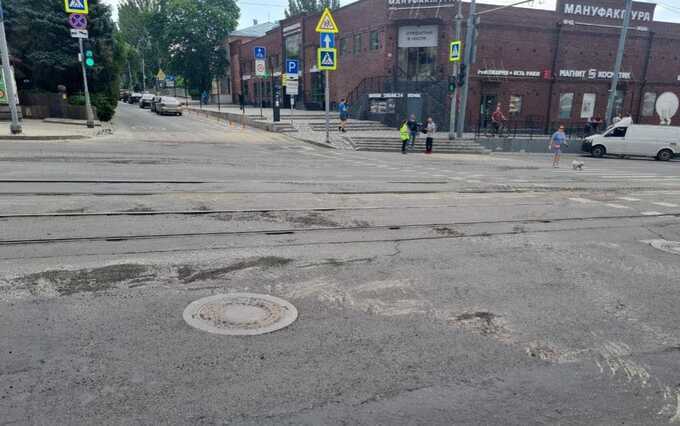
column 588, row 105
column 515, row 106
column 417, row 63
column 293, row 43
column 566, row 101
column 648, row 104
column 618, row 103
column 383, row 106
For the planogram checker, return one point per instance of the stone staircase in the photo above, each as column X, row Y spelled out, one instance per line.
column 351, row 126
column 440, row 146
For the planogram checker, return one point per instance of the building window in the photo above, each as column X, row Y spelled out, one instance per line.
column 375, row 40
column 356, row 48
column 588, row 105
column 417, row 63
column 293, row 43
column 515, row 106
column 648, row 104
column 343, row 46
column 566, row 101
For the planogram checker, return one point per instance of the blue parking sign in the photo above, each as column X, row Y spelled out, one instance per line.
column 292, row 66
column 260, row 52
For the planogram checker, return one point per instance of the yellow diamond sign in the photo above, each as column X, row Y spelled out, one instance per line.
column 160, row 75
column 327, row 23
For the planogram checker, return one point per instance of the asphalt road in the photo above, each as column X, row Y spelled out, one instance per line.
column 441, row 289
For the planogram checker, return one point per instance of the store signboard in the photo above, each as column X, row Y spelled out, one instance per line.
column 593, row 74
column 403, row 4
column 508, row 73
column 605, row 10
column 418, row 36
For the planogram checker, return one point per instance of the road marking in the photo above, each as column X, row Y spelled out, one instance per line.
column 582, row 200
column 665, row 204
column 616, row 206
column 651, row 213
column 629, row 199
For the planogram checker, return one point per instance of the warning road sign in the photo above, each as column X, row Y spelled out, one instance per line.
column 76, row 6
column 326, row 23
column 327, row 59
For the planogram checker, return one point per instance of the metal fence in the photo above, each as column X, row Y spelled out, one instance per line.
column 530, row 129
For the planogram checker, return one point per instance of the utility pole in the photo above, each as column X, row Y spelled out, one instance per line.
column 467, row 60
column 130, row 84
column 456, row 67
column 617, row 63
column 15, row 126
column 143, row 75
column 88, row 106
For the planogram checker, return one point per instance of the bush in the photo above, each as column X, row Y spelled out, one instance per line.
column 105, row 105
column 76, row 100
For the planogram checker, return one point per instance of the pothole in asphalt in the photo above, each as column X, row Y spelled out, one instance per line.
column 481, row 322
column 672, row 247
column 240, row 314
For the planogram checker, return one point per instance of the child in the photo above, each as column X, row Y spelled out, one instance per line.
column 430, row 128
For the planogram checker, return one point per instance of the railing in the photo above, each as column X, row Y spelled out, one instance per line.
column 365, row 86
column 534, row 129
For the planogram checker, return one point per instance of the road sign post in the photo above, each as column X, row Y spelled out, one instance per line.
column 327, row 58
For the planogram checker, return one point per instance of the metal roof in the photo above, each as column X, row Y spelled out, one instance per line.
column 255, row 31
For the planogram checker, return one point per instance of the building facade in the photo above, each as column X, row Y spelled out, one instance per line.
column 542, row 66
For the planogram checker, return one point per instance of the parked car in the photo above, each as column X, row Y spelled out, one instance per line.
column 169, row 105
column 134, row 98
column 124, row 95
column 145, row 101
column 154, row 103
column 626, row 138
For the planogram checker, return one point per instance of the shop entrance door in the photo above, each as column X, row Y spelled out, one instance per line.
column 415, row 106
column 487, row 107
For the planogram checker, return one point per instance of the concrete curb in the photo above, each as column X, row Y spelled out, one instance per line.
column 70, row 122
column 42, row 138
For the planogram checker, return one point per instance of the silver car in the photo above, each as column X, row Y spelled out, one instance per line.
column 145, row 101
column 168, row 105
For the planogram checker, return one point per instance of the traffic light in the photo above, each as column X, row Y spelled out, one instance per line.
column 452, row 84
column 461, row 74
column 89, row 58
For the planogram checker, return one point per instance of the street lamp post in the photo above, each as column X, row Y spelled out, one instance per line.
column 617, row 63
column 15, row 127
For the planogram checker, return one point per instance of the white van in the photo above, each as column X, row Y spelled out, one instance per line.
column 626, row 138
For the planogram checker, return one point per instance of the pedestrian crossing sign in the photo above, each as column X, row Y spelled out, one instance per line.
column 327, row 59
column 327, row 23
column 76, row 6
column 454, row 51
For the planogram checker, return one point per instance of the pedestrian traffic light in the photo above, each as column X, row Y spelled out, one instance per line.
column 89, row 58
column 461, row 74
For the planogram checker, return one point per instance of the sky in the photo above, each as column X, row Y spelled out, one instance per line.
column 273, row 10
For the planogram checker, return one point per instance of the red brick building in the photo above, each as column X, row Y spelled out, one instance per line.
column 542, row 66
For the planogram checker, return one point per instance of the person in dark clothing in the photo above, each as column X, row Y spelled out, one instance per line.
column 413, row 130
column 241, row 102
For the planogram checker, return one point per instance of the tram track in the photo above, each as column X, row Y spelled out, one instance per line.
column 367, row 228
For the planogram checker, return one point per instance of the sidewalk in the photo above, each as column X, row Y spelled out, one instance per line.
column 46, row 131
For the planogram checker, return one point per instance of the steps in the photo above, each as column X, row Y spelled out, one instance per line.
column 386, row 144
column 352, row 126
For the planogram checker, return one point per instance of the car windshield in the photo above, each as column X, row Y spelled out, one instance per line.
column 170, row 101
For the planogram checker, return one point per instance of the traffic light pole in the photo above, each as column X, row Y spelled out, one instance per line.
column 456, row 67
column 88, row 106
column 15, row 126
column 327, row 101
column 467, row 60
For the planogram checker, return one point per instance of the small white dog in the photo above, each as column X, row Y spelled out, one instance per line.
column 577, row 165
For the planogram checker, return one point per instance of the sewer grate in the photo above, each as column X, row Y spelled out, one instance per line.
column 240, row 314
column 665, row 245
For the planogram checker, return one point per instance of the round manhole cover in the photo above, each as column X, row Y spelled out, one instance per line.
column 667, row 246
column 240, row 314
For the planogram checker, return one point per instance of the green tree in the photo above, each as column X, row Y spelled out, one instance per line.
column 196, row 34
column 143, row 26
column 45, row 55
column 298, row 7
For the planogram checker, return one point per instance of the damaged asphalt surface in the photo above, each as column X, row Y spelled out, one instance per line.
column 485, row 290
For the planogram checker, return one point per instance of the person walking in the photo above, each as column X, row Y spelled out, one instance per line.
column 413, row 130
column 430, row 128
column 556, row 141
column 404, row 134
column 343, row 109
column 497, row 120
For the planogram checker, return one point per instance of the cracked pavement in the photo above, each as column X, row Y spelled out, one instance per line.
column 438, row 289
